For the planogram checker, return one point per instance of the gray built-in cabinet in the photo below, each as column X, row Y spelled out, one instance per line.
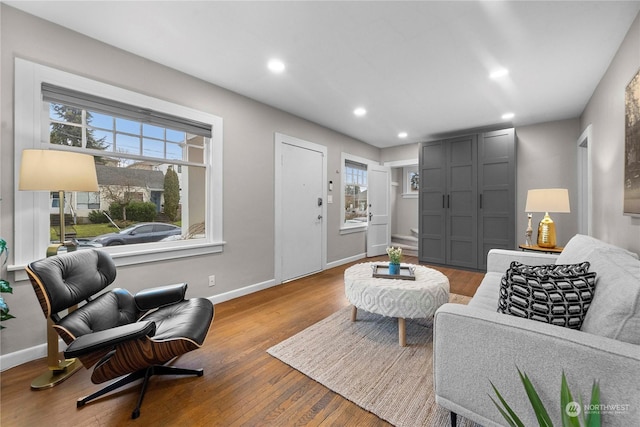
column 467, row 198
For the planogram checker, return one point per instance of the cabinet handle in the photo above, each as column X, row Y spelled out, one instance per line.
column 448, row 204
column 443, row 205
column 480, row 200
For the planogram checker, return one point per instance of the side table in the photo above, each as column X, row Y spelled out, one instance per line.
column 536, row 248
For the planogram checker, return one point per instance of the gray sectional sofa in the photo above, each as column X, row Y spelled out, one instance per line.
column 475, row 344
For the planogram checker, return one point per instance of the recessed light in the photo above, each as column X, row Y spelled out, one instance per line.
column 359, row 111
column 276, row 65
column 507, row 116
column 402, row 135
column 501, row 72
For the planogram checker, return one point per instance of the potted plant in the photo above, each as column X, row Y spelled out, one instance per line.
column 570, row 408
column 395, row 256
column 5, row 287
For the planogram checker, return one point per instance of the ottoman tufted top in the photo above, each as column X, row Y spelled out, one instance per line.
column 396, row 297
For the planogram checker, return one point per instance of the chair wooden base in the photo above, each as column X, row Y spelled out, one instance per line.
column 146, row 373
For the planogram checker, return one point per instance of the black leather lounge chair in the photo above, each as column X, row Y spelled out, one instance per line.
column 121, row 334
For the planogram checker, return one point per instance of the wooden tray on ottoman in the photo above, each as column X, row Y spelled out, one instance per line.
column 381, row 271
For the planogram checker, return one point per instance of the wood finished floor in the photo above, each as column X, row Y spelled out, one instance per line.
column 242, row 384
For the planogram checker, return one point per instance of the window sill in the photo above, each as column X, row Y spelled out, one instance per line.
column 123, row 255
column 409, row 195
column 353, row 229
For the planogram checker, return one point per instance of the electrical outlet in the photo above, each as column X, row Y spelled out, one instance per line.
column 212, row 280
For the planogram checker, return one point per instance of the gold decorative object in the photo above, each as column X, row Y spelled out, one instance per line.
column 547, row 200
column 52, row 170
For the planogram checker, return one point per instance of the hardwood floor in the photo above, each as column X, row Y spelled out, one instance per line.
column 242, row 384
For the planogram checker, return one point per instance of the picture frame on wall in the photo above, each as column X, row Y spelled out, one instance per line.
column 632, row 148
column 411, row 185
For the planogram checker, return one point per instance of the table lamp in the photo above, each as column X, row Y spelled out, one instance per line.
column 547, row 200
column 51, row 170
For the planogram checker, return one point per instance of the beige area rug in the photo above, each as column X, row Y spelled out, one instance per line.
column 363, row 362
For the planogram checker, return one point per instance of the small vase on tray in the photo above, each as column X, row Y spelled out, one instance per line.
column 394, row 268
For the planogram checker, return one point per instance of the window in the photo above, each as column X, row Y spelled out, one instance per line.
column 354, row 193
column 136, row 141
column 86, row 200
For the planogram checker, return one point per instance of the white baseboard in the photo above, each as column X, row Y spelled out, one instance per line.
column 345, row 260
column 10, row 360
column 217, row 299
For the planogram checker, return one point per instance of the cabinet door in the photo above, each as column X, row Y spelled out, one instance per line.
column 432, row 222
column 462, row 205
column 497, row 192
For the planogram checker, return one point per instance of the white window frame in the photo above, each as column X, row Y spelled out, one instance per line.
column 31, row 131
column 351, row 228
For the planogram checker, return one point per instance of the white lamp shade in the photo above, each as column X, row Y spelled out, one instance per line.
column 548, row 200
column 51, row 170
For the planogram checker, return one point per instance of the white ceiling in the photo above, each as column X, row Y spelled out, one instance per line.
column 421, row 67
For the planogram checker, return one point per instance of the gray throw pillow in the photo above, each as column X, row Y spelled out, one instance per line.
column 615, row 309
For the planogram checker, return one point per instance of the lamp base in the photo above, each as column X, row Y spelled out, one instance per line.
column 547, row 232
column 55, row 375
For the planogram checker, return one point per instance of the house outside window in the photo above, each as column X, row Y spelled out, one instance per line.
column 134, row 160
column 136, row 141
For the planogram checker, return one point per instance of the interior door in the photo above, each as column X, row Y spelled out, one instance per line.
column 302, row 211
column 379, row 229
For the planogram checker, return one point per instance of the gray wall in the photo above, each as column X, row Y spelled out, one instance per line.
column 249, row 129
column 605, row 112
column 546, row 158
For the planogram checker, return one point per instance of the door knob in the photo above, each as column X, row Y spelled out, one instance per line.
column 370, row 216
column 319, row 216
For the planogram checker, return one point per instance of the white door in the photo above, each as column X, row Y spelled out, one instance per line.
column 300, row 235
column 379, row 229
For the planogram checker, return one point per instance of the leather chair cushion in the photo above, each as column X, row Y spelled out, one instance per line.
column 111, row 309
column 74, row 277
column 187, row 319
column 162, row 295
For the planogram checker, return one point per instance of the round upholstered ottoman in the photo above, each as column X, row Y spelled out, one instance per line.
column 403, row 299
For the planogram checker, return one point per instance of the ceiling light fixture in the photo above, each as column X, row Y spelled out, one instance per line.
column 359, row 111
column 496, row 74
column 276, row 65
column 508, row 116
column 402, row 135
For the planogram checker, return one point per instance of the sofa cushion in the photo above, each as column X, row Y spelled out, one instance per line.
column 486, row 296
column 555, row 294
column 615, row 309
column 586, row 248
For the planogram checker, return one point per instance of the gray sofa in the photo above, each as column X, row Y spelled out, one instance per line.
column 474, row 344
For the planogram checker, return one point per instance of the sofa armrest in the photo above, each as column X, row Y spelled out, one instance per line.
column 499, row 260
column 473, row 346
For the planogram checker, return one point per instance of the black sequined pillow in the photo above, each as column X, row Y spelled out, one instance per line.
column 555, row 294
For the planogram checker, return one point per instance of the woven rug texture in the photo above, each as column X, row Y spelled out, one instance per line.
column 363, row 362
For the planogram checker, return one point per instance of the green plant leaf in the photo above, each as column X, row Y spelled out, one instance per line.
column 541, row 413
column 4, row 250
column 506, row 416
column 5, row 287
column 593, row 418
column 511, row 417
column 565, row 399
